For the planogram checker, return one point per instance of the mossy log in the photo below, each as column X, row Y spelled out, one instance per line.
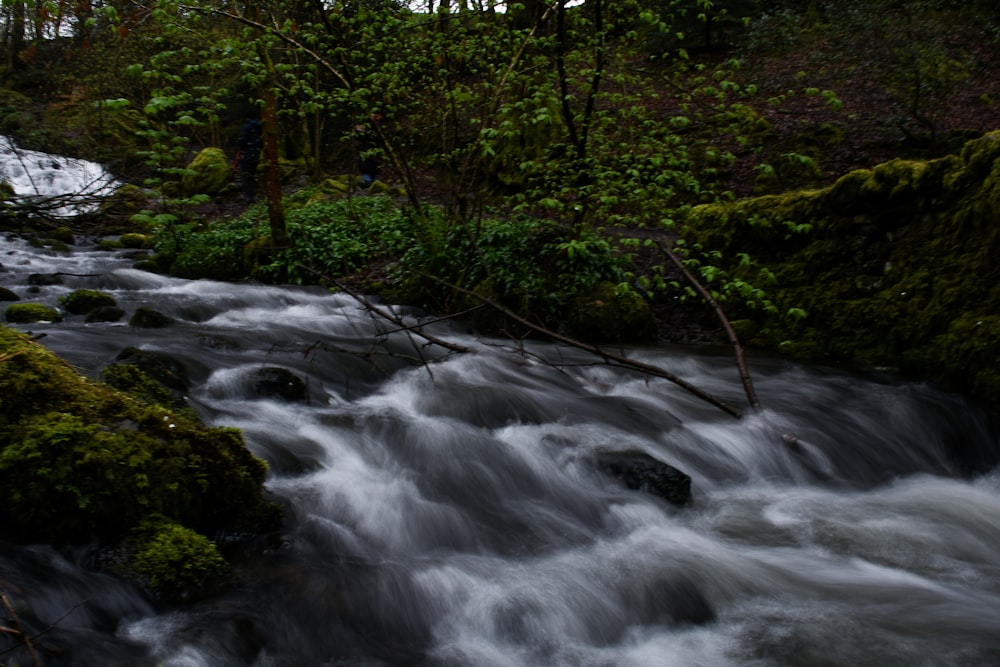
column 894, row 266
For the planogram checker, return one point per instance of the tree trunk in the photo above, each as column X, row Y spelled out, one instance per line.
column 272, row 172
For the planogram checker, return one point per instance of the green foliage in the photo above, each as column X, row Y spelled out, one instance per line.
column 535, row 267
column 848, row 277
column 332, row 237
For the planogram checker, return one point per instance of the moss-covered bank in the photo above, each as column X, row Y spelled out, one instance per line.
column 81, row 462
column 894, row 266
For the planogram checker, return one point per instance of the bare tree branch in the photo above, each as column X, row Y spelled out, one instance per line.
column 609, row 357
column 741, row 363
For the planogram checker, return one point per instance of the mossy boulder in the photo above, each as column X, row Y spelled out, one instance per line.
column 174, row 563
column 125, row 202
column 63, row 235
column 83, row 301
column 26, row 313
column 149, row 318
column 210, row 173
column 135, row 240
column 891, row 266
column 152, row 377
column 80, row 461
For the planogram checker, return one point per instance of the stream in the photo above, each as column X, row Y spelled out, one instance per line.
column 449, row 514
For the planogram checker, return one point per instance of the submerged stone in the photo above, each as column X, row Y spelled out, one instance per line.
column 639, row 471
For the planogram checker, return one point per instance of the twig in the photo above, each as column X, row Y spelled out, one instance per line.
column 734, row 340
column 18, row 630
column 613, row 359
column 386, row 315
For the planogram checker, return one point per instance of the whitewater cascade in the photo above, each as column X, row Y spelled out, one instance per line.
column 451, row 515
column 40, row 176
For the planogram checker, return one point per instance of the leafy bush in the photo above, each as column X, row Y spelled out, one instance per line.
column 534, row 267
column 332, row 237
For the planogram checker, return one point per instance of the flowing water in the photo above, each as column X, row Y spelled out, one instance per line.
column 75, row 185
column 451, row 515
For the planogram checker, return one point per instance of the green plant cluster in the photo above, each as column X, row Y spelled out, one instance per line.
column 80, row 461
column 332, row 237
column 537, row 268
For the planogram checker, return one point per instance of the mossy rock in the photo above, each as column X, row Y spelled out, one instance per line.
column 135, row 240
column 108, row 245
column 64, row 235
column 83, row 301
column 211, row 173
column 80, row 461
column 152, row 377
column 105, row 314
column 176, row 564
column 148, row 318
column 895, row 266
column 126, row 201
column 26, row 313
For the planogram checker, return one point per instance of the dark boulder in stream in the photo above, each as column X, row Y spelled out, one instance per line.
column 641, row 472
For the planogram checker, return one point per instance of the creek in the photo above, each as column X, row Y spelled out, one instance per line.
column 449, row 514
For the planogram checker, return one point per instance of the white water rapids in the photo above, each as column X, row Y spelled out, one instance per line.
column 33, row 175
column 450, row 515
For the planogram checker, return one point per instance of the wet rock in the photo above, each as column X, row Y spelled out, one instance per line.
column 161, row 367
column 8, row 295
column 24, row 313
column 83, row 301
column 105, row 314
column 147, row 318
column 276, row 382
column 44, row 279
column 641, row 472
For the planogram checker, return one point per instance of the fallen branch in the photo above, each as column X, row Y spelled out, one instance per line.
column 616, row 360
column 387, row 315
column 741, row 362
column 18, row 630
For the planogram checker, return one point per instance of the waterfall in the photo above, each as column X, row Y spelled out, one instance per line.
column 34, row 176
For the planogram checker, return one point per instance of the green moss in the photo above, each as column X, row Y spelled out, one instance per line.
column 109, row 244
column 135, row 240
column 176, row 563
column 63, row 235
column 210, row 173
column 895, row 266
column 25, row 313
column 148, row 318
column 83, row 301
